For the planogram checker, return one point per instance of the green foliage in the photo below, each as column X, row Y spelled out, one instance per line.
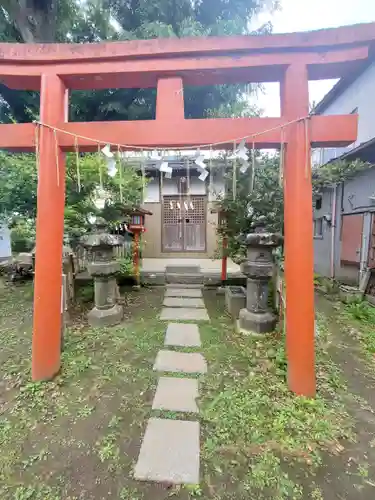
column 362, row 311
column 85, row 293
column 126, row 266
column 80, row 202
column 22, row 235
column 265, row 202
column 335, row 172
column 262, row 204
column 18, row 182
column 254, row 427
column 358, row 319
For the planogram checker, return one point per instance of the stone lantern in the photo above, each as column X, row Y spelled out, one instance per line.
column 257, row 318
column 103, row 268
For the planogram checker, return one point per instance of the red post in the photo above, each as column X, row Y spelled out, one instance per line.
column 136, row 257
column 170, row 100
column 49, row 234
column 224, row 260
column 299, row 257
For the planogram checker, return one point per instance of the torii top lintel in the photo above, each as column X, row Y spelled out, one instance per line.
column 169, row 64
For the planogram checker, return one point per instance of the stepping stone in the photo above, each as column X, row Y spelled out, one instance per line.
column 182, row 334
column 169, row 452
column 176, row 394
column 183, row 314
column 184, row 285
column 181, row 292
column 184, row 362
column 183, row 302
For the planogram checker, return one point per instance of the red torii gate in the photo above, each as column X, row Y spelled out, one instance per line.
column 168, row 65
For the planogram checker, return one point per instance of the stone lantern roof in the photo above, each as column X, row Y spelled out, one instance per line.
column 100, row 238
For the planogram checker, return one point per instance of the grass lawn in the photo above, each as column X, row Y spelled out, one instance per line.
column 78, row 436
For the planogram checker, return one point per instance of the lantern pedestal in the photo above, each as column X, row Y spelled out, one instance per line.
column 107, row 312
column 105, row 317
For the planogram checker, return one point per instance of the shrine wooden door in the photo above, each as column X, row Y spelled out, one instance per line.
column 184, row 224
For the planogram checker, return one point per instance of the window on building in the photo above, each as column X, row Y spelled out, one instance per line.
column 318, row 227
column 318, row 203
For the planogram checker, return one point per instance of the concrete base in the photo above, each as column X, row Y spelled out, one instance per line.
column 256, row 323
column 105, row 317
column 349, row 294
column 235, row 300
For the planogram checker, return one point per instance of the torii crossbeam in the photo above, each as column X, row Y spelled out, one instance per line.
column 169, row 64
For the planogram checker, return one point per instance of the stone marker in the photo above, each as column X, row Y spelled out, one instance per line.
column 181, row 292
column 183, row 302
column 169, row 452
column 185, row 362
column 183, row 314
column 182, row 334
column 235, row 300
column 176, row 394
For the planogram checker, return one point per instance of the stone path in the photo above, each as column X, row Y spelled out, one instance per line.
column 183, row 302
column 182, row 334
column 182, row 292
column 183, row 314
column 170, row 451
column 182, row 362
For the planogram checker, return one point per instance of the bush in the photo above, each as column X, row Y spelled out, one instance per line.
column 126, row 267
column 362, row 311
column 22, row 237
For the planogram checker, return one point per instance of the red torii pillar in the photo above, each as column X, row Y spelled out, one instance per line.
column 298, row 231
column 50, row 232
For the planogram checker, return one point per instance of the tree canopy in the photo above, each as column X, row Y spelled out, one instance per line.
column 79, row 21
column 90, row 21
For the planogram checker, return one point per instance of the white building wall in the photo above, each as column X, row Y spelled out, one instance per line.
column 152, row 191
column 170, row 186
column 214, row 187
column 5, row 246
column 359, row 94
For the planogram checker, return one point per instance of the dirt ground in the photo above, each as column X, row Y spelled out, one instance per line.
column 78, row 436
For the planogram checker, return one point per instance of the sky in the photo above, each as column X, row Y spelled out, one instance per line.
column 305, row 15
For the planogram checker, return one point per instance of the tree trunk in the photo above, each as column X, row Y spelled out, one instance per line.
column 35, row 20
